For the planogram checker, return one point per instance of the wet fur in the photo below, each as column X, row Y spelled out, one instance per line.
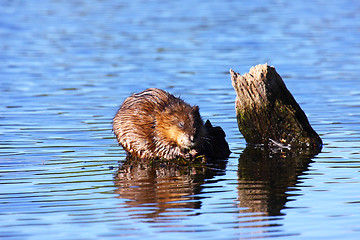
column 155, row 124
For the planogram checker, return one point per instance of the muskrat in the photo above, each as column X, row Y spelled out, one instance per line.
column 155, row 124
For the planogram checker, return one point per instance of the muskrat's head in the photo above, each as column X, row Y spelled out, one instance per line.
column 181, row 124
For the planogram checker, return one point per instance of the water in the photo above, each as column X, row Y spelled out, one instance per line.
column 68, row 65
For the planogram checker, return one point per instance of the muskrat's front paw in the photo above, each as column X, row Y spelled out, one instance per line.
column 190, row 155
column 193, row 152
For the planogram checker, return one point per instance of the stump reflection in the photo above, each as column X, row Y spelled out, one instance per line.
column 266, row 178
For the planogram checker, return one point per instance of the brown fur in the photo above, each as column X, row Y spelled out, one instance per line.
column 156, row 124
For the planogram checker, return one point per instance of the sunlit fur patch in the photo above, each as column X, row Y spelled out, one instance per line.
column 168, row 128
column 173, row 134
column 183, row 140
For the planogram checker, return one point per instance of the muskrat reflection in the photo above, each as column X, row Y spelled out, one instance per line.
column 163, row 190
column 266, row 178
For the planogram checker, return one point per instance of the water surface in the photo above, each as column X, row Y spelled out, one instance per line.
column 68, row 65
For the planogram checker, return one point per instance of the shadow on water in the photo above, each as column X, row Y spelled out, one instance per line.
column 160, row 191
column 163, row 189
column 266, row 177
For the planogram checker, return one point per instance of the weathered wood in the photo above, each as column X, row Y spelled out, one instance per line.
column 267, row 113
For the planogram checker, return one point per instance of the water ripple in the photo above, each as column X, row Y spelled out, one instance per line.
column 67, row 66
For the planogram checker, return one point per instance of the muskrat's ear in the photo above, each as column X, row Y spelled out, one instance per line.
column 195, row 108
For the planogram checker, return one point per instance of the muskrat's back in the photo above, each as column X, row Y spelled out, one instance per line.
column 156, row 124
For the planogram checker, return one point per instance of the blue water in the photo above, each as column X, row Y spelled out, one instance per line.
column 66, row 66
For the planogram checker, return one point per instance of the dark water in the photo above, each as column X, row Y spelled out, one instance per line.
column 66, row 66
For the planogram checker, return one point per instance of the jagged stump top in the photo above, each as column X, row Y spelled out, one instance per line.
column 267, row 113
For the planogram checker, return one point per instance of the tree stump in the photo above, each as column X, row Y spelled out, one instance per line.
column 268, row 114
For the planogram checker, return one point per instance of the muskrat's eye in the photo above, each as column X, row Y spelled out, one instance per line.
column 181, row 124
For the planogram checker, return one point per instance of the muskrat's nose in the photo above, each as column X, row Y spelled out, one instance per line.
column 192, row 139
